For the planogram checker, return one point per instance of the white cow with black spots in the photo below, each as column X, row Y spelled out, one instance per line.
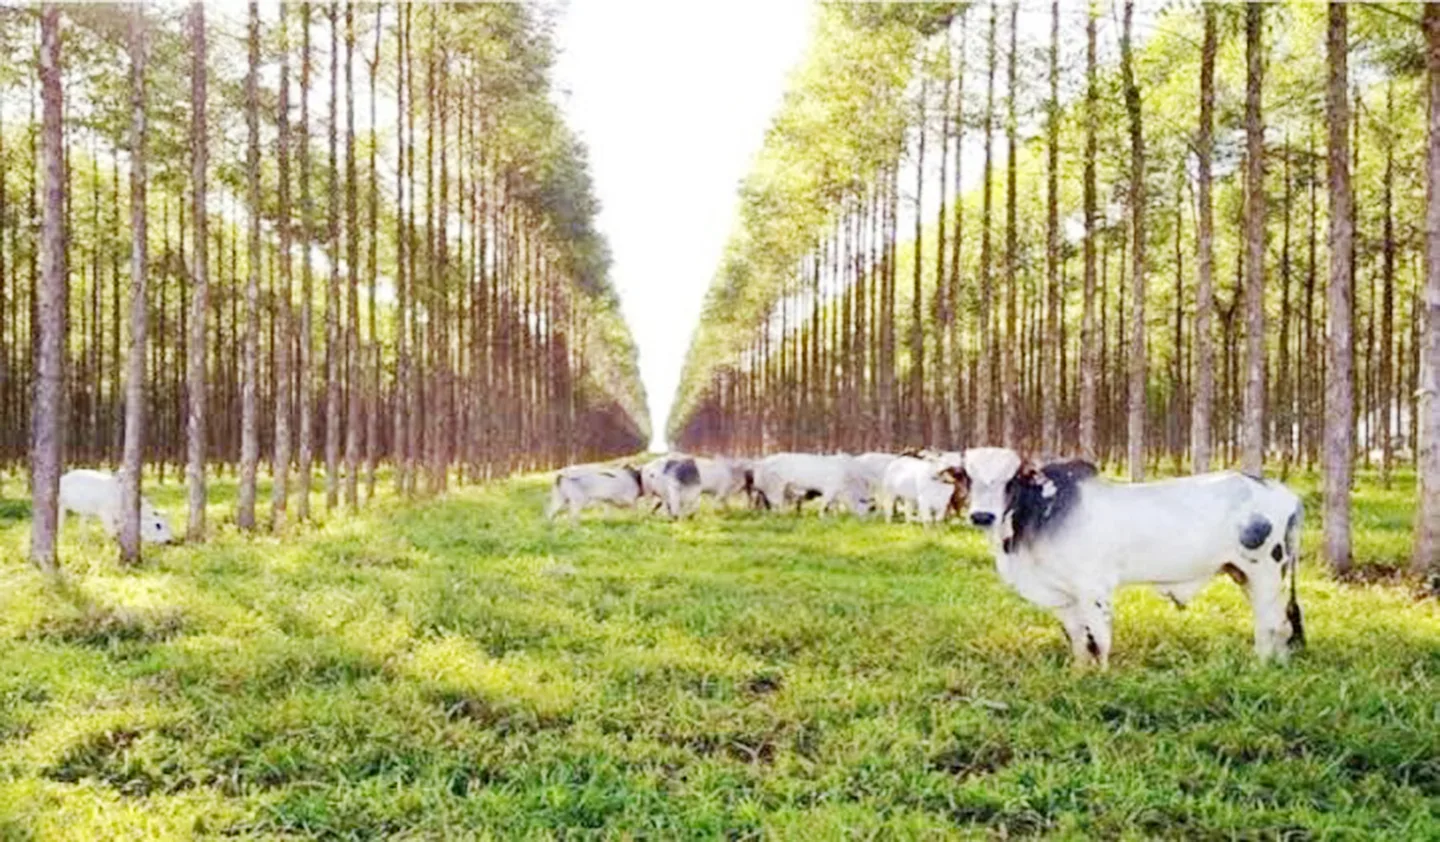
column 579, row 486
column 91, row 493
column 1065, row 539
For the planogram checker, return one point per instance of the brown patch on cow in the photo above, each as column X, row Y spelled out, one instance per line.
column 1235, row 573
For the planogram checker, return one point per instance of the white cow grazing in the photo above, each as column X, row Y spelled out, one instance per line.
column 872, row 466
column 927, row 487
column 673, row 479
column 579, row 486
column 96, row 494
column 723, row 478
column 797, row 477
column 1066, row 539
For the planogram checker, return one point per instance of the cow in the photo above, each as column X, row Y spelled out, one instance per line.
column 797, row 477
column 91, row 493
column 579, row 486
column 929, row 488
column 674, row 480
column 1065, row 539
column 723, row 478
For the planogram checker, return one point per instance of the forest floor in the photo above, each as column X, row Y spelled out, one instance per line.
column 460, row 667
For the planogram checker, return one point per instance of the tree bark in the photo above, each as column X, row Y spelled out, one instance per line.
column 135, row 353
column 1049, row 347
column 1137, row 362
column 1253, row 429
column 47, row 425
column 249, row 427
column 1009, row 374
column 1090, row 361
column 1426, row 559
column 353, row 378
column 196, row 370
column 1339, row 401
column 281, row 468
column 984, row 375
column 334, row 340
column 1204, row 397
column 306, row 374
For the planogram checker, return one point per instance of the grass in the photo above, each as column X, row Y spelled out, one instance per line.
column 461, row 668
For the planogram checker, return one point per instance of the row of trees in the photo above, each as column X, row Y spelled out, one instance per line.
column 427, row 289
column 1209, row 247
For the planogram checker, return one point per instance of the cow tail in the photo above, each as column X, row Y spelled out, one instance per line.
column 1292, row 549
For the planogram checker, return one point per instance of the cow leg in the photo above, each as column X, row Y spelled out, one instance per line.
column 1265, row 587
column 1087, row 624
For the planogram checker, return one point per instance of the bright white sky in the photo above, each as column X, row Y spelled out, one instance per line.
column 673, row 99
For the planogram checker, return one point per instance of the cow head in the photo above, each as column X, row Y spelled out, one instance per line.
column 154, row 527
column 990, row 472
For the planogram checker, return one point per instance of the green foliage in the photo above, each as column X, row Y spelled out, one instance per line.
column 463, row 668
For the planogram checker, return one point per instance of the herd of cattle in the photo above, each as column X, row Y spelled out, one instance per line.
column 1063, row 537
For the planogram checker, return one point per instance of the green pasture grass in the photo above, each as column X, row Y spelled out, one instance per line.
column 459, row 668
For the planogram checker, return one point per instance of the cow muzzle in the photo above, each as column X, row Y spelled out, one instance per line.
column 982, row 519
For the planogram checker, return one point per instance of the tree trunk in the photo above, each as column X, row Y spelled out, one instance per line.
column 1426, row 560
column 334, row 340
column 1136, row 351
column 1009, row 375
column 1049, row 347
column 1339, row 402
column 135, row 353
column 1090, row 360
column 353, row 379
column 918, row 426
column 1253, row 450
column 1387, row 327
column 281, row 467
column 249, row 428
column 47, row 425
column 1204, row 396
column 372, row 419
column 196, row 373
column 984, row 375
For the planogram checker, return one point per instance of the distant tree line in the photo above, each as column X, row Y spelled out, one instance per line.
column 354, row 234
column 1202, row 235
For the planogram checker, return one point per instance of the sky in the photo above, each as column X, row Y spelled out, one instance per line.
column 673, row 100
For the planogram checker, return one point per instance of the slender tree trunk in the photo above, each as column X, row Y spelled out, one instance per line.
column 47, row 425
column 1010, row 402
column 1090, row 366
column 954, row 382
column 1204, row 397
column 334, row 339
column 197, row 373
column 135, row 354
column 353, row 366
column 918, row 426
column 1387, row 327
column 1136, row 351
column 249, row 427
column 1049, row 348
column 281, row 470
column 984, row 375
column 306, row 375
column 1339, row 402
column 1426, row 560
column 372, row 429
column 1253, row 428
column 402, row 339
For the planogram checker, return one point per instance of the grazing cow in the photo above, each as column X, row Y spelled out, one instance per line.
column 1065, row 539
column 723, row 478
column 582, row 485
column 928, row 488
column 675, row 479
column 96, row 494
column 872, row 466
column 797, row 477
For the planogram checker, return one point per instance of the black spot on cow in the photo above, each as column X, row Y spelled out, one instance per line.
column 1255, row 532
column 683, row 470
column 1090, row 645
column 1278, row 553
column 1039, row 500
